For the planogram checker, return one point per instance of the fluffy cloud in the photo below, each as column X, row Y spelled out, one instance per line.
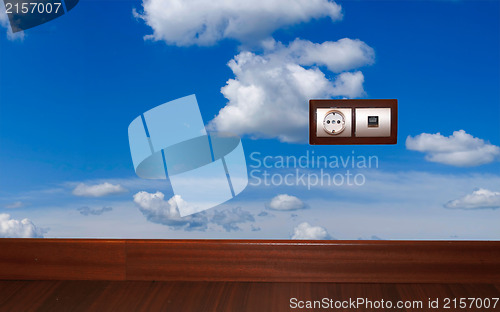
column 196, row 22
column 479, row 199
column 18, row 229
column 285, row 202
column 460, row 149
column 158, row 210
column 93, row 211
column 98, row 190
column 4, row 22
column 269, row 95
column 307, row 231
column 337, row 56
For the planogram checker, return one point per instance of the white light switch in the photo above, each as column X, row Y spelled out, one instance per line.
column 373, row 122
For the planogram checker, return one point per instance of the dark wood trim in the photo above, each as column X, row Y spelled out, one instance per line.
column 251, row 260
column 61, row 259
column 353, row 140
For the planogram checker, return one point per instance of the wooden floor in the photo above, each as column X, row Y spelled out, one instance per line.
column 217, row 296
column 243, row 275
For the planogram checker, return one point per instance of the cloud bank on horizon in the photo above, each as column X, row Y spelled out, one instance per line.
column 395, row 211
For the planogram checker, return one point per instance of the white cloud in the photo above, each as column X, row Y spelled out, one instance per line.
column 18, row 229
column 307, row 231
column 460, row 149
column 197, row 22
column 285, row 202
column 349, row 84
column 269, row 95
column 156, row 209
column 337, row 56
column 93, row 211
column 479, row 199
column 98, row 190
column 4, row 22
column 14, row 205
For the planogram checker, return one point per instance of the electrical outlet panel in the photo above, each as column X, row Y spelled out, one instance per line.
column 334, row 122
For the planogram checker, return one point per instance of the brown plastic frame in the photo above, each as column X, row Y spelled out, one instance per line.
column 379, row 103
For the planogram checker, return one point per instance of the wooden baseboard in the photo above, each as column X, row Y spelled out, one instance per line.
column 251, row 260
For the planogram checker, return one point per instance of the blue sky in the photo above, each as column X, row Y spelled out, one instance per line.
column 70, row 88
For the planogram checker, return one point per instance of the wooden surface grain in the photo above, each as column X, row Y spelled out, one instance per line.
column 104, row 296
column 338, row 261
column 251, row 260
column 68, row 259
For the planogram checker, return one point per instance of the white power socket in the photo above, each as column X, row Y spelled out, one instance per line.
column 334, row 122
